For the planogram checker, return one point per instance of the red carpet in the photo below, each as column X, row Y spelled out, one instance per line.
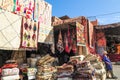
column 114, row 57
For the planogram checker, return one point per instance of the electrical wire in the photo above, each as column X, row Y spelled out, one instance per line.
column 104, row 14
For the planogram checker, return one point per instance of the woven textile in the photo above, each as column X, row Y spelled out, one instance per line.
column 10, row 71
column 13, row 77
column 25, row 8
column 101, row 41
column 91, row 34
column 20, row 37
column 59, row 44
column 45, row 34
column 29, row 33
column 7, row 5
column 10, row 25
column 33, row 9
column 66, row 43
column 80, row 33
column 20, row 7
column 45, row 13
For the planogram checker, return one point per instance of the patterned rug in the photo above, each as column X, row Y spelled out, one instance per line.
column 10, row 25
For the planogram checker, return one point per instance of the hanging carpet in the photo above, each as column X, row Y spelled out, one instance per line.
column 10, row 25
column 59, row 44
column 29, row 34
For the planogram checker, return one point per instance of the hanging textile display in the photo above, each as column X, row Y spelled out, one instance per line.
column 80, row 34
column 46, row 34
column 25, row 35
column 20, row 7
column 25, row 8
column 101, row 41
column 10, row 25
column 91, row 45
column 34, row 9
column 74, row 47
column 91, row 50
column 84, row 22
column 66, row 43
column 45, row 13
column 50, row 37
column 44, row 19
column 69, row 40
column 91, row 34
column 29, row 33
column 59, row 44
column 7, row 5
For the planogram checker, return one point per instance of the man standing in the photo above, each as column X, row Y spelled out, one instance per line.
column 108, row 64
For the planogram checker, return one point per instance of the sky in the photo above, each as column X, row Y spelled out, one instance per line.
column 105, row 11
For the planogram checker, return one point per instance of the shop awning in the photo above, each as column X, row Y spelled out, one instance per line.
column 67, row 21
column 107, row 26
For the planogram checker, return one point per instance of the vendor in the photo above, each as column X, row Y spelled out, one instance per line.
column 108, row 65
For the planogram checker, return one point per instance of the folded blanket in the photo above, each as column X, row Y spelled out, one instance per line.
column 31, row 71
column 10, row 71
column 13, row 77
column 31, row 77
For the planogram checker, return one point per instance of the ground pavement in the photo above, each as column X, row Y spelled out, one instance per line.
column 116, row 70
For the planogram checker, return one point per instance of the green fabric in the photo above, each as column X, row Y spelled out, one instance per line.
column 14, row 7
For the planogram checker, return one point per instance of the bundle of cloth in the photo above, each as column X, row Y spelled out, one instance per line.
column 10, row 71
column 65, row 72
column 88, row 66
column 47, row 59
column 31, row 73
column 83, row 71
column 98, row 65
column 45, row 72
column 45, row 69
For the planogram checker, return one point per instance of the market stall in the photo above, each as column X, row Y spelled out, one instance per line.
column 70, row 37
column 108, row 39
column 24, row 26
